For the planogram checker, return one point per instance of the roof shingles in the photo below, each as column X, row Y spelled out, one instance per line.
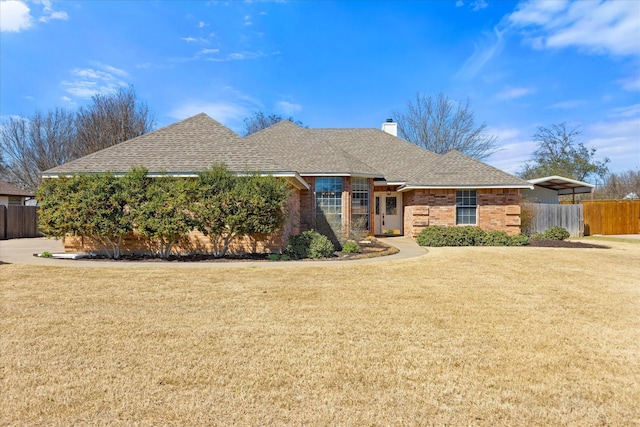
column 199, row 142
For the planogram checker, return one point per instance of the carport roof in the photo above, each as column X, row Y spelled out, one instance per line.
column 563, row 185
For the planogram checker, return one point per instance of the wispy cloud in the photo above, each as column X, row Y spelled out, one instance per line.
column 515, row 92
column 288, row 108
column 50, row 14
column 86, row 82
column 567, row 105
column 15, row 16
column 194, row 39
column 515, row 149
column 609, row 27
column 247, row 20
column 222, row 111
column 491, row 45
column 478, row 5
column 240, row 56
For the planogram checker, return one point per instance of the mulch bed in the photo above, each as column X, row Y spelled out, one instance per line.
column 373, row 248
column 564, row 244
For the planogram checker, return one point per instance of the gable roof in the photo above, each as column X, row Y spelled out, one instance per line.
column 7, row 189
column 287, row 149
column 185, row 147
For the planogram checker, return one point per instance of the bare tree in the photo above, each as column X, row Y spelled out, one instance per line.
column 30, row 146
column 620, row 185
column 258, row 121
column 559, row 153
column 440, row 124
column 109, row 120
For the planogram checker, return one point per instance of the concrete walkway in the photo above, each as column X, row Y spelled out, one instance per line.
column 20, row 251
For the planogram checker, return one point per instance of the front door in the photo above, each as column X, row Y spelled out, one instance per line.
column 388, row 213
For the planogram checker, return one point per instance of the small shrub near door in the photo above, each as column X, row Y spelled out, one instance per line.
column 309, row 244
column 350, row 247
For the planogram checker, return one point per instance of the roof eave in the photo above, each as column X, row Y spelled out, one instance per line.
column 409, row 187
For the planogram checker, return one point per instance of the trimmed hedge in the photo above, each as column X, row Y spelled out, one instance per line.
column 435, row 236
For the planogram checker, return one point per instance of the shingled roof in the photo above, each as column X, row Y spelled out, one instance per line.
column 7, row 189
column 199, row 142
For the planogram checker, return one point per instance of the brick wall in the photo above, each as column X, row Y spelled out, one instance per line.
column 498, row 209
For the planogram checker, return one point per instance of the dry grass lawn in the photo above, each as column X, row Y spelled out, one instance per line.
column 463, row 336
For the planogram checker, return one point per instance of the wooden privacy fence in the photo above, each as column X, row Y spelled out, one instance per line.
column 18, row 221
column 611, row 216
column 545, row 216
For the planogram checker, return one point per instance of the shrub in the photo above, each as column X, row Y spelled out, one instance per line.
column 351, row 247
column 556, row 233
column 309, row 244
column 537, row 236
column 321, row 247
column 495, row 238
column 518, row 240
column 435, row 235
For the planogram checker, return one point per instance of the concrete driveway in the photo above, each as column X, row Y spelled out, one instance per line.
column 21, row 251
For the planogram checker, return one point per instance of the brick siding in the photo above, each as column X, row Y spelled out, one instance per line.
column 498, row 209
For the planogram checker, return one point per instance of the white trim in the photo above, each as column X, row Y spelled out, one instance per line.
column 329, row 174
column 294, row 175
column 459, row 187
column 563, row 179
column 383, row 183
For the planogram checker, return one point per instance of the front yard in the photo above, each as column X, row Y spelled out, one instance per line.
column 463, row 336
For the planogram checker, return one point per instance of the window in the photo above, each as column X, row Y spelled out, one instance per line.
column 466, row 207
column 360, row 203
column 15, row 201
column 329, row 203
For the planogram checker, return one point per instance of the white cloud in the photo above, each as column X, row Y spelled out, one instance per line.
column 609, row 27
column 86, row 82
column 15, row 16
column 568, row 105
column 617, row 138
column 238, row 56
column 483, row 52
column 288, row 108
column 631, row 84
column 50, row 14
column 194, row 39
column 201, row 24
column 459, row 3
column 515, row 150
column 247, row 20
column 208, row 51
column 515, row 92
column 478, row 5
column 223, row 112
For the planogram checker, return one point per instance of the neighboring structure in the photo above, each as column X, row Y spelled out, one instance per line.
column 342, row 178
column 10, row 195
column 547, row 189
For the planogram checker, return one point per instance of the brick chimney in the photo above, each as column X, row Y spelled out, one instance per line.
column 390, row 127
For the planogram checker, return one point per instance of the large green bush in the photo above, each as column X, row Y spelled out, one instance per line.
column 309, row 244
column 435, row 235
column 495, row 238
column 556, row 233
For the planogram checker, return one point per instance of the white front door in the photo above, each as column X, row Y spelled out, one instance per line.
column 388, row 213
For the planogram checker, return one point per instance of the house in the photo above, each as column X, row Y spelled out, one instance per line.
column 548, row 188
column 342, row 178
column 10, row 195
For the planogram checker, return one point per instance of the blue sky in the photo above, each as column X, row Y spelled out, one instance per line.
column 339, row 64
